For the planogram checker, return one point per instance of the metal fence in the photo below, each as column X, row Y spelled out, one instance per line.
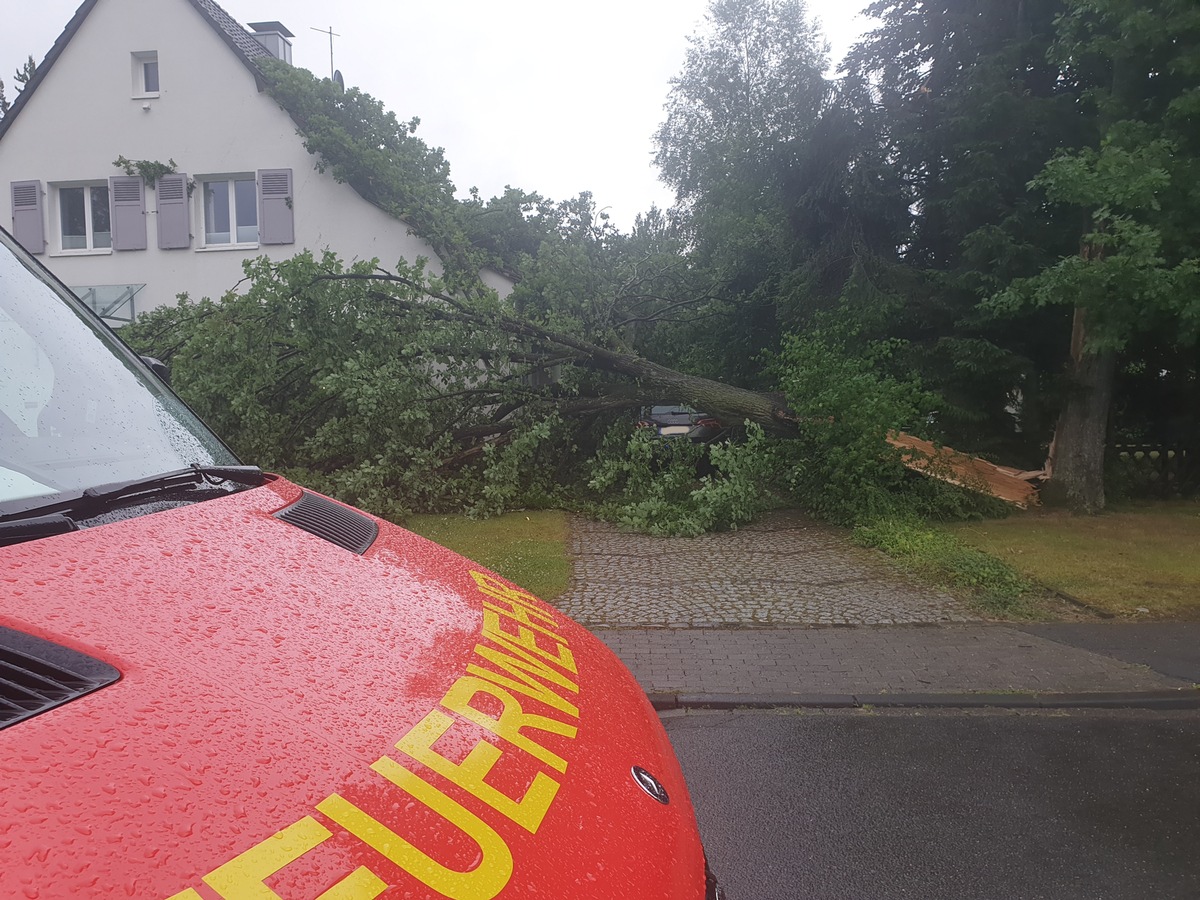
column 1159, row 469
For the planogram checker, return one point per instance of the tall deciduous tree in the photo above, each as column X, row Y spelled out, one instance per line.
column 752, row 89
column 968, row 109
column 752, row 84
column 1136, row 188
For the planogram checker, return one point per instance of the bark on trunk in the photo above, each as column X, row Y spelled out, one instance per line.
column 667, row 385
column 1076, row 463
column 657, row 383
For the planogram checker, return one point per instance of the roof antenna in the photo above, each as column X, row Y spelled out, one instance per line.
column 332, row 34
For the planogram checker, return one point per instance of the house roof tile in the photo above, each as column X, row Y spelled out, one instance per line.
column 232, row 31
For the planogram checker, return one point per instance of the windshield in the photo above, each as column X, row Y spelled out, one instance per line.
column 76, row 409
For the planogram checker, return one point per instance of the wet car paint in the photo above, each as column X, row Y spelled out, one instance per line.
column 295, row 719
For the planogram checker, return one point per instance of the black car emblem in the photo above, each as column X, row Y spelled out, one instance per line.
column 650, row 785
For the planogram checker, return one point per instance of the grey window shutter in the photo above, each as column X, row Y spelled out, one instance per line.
column 127, row 195
column 174, row 224
column 27, row 220
column 276, row 217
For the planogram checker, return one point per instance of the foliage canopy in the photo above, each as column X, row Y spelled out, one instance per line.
column 903, row 246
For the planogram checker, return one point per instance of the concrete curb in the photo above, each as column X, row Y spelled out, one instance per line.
column 1182, row 698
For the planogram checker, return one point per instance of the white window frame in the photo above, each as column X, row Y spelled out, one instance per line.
column 228, row 181
column 140, row 60
column 89, row 248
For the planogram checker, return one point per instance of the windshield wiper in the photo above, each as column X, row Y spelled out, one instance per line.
column 32, row 529
column 96, row 500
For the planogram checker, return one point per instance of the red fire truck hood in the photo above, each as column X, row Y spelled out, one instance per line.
column 293, row 718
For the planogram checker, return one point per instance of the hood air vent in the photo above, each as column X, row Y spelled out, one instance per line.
column 36, row 675
column 331, row 521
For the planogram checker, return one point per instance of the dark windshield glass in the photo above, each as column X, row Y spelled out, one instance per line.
column 76, row 411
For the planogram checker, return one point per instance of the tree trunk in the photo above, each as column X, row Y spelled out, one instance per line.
column 1076, row 463
column 662, row 384
column 656, row 383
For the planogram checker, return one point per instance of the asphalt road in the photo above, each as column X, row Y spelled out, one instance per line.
column 1172, row 648
column 996, row 805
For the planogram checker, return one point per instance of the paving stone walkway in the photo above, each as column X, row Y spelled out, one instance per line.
column 784, row 570
column 754, row 613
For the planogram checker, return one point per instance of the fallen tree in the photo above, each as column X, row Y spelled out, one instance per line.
column 391, row 391
column 396, row 390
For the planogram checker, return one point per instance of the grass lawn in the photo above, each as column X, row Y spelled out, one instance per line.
column 527, row 548
column 1144, row 555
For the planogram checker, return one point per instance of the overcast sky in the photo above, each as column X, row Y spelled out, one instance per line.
column 553, row 96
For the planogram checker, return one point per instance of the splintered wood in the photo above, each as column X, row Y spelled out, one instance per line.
column 1010, row 485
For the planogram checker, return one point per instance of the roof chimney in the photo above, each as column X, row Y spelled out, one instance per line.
column 274, row 37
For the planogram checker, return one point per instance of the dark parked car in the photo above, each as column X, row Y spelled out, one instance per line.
column 678, row 421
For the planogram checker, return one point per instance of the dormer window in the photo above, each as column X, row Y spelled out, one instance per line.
column 145, row 74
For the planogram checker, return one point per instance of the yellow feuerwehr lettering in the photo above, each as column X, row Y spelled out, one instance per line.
column 525, row 616
column 523, row 659
column 521, row 682
column 242, row 877
column 516, row 599
column 483, row 882
column 361, row 884
column 500, row 590
column 472, row 772
column 511, row 720
column 562, row 657
column 520, row 655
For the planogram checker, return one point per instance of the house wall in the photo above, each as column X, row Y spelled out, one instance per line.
column 210, row 119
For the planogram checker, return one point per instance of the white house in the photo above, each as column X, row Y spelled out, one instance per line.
column 177, row 80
